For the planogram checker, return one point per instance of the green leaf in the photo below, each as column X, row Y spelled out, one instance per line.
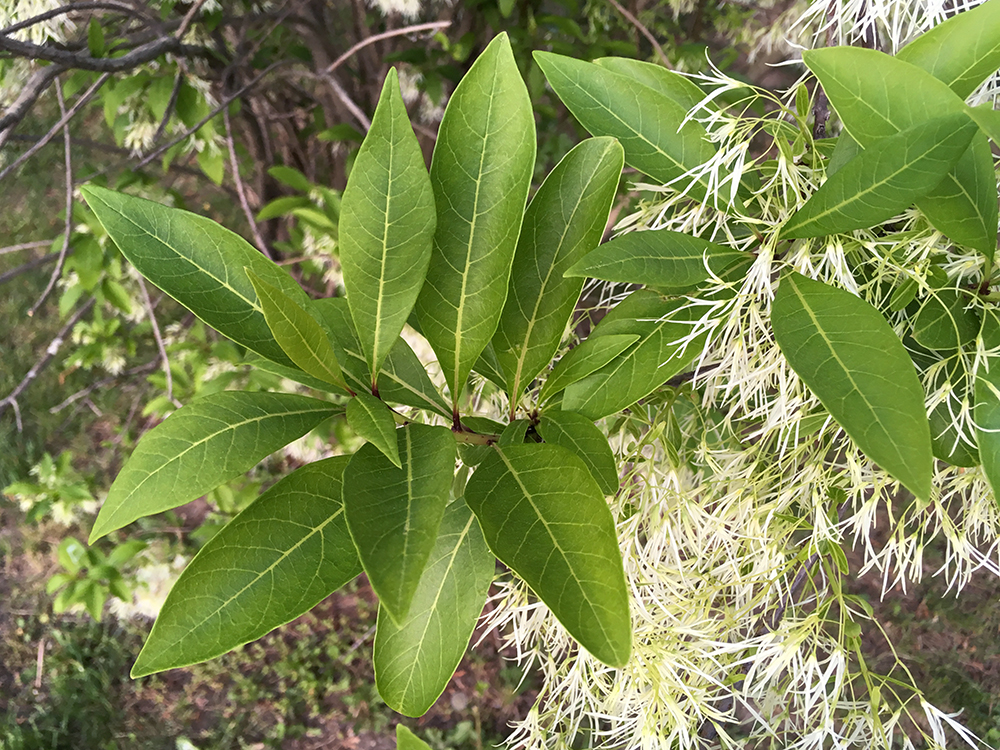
column 847, row 354
column 403, row 379
column 674, row 86
column 407, row 740
column 372, row 420
column 282, row 206
column 292, row 373
column 903, row 295
column 213, row 164
column 565, row 219
column 943, row 322
column 394, row 514
column 387, row 222
column 673, row 262
column 590, row 355
column 210, row 441
column 878, row 96
column 277, row 559
column 845, row 149
column 884, row 179
column 415, row 659
column 198, row 263
column 987, row 407
column 489, row 367
column 72, row 555
column 481, row 171
column 647, row 123
column 95, row 38
column 658, row 355
column 962, row 52
column 298, row 333
column 545, row 517
column 581, row 436
column 514, row 433
column 291, row 177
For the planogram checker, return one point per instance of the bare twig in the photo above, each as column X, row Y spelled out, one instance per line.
column 240, row 190
column 98, row 384
column 24, row 246
column 417, row 28
column 36, row 85
column 72, row 8
column 349, row 103
column 77, row 106
column 642, row 30
column 148, row 304
column 31, row 265
column 50, row 352
column 186, row 22
column 142, row 54
column 171, row 103
column 38, row 664
column 68, row 232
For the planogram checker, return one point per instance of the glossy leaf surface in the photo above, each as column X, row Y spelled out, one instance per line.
column 394, row 513
column 591, row 354
column 884, row 179
column 372, row 420
column 387, row 222
column 564, row 221
column 415, row 660
column 578, row 434
column 226, row 597
column 674, row 86
column 198, row 263
column 481, row 171
column 544, row 516
column 203, row 444
column 943, row 322
column 846, row 353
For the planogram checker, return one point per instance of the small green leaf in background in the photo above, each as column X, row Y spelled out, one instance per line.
column 943, row 322
column 372, row 420
column 903, row 294
column 198, row 263
column 387, row 222
column 847, row 354
column 415, row 660
column 207, row 442
column 489, row 367
column 581, row 436
column 589, row 355
column 564, row 220
column 282, row 206
column 987, row 407
column 407, row 740
column 545, row 517
column 394, row 514
column 845, row 149
column 95, row 38
column 225, row 597
column 647, row 123
column 481, row 172
column 884, row 179
column 297, row 332
column 673, row 262
column 213, row 164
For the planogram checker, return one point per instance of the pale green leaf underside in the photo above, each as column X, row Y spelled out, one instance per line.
column 394, row 514
column 297, row 333
column 884, row 179
column 210, row 441
column 387, row 221
column 415, row 660
column 291, row 373
column 987, row 407
column 198, row 263
column 545, row 517
column 372, row 420
column 673, row 262
column 481, row 172
column 846, row 353
column 407, row 740
column 226, row 597
column 565, row 220
column 590, row 355
column 578, row 434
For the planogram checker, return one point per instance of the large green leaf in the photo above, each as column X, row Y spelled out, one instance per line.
column 675, row 86
column 847, row 354
column 987, row 407
column 647, row 364
column 565, row 220
column 885, row 178
column 387, row 222
column 403, row 379
column 673, row 262
column 878, row 96
column 481, row 171
column 581, row 436
column 647, row 123
column 415, row 659
column 545, row 517
column 591, row 354
column 372, row 420
column 301, row 552
column 297, row 333
column 944, row 322
column 198, row 263
column 963, row 51
column 210, row 441
column 394, row 513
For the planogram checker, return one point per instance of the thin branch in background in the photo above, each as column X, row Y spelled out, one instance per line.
column 24, row 246
column 36, row 85
column 171, row 103
column 68, row 232
column 77, row 106
column 31, row 265
column 148, row 304
column 186, row 22
column 240, row 190
column 415, row 29
column 133, row 58
column 642, row 30
column 38, row 664
column 50, row 352
column 62, row 10
column 98, row 384
column 349, row 103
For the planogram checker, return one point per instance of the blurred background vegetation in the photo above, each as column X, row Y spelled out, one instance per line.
column 251, row 113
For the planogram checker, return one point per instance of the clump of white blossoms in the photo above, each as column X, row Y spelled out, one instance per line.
column 740, row 492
